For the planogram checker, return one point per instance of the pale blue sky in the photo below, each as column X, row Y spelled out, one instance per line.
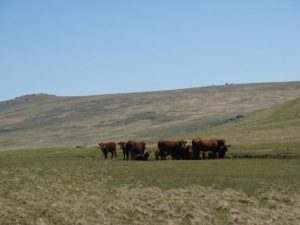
column 97, row 47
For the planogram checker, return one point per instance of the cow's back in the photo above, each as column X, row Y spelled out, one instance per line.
column 136, row 147
column 110, row 146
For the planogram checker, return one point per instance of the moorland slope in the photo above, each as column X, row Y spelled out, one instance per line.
column 50, row 121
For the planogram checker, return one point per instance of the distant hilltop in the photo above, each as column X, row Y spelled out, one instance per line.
column 30, row 98
column 34, row 96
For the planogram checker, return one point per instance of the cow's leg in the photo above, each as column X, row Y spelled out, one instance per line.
column 203, row 155
column 131, row 155
column 196, row 153
column 156, row 155
column 105, row 155
column 221, row 154
column 213, row 154
column 127, row 154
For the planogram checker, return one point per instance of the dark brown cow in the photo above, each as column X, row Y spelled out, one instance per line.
column 135, row 148
column 143, row 157
column 173, row 148
column 108, row 147
column 214, row 148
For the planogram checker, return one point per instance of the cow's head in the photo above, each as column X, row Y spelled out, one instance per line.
column 100, row 145
column 223, row 150
column 122, row 145
column 189, row 148
column 182, row 144
column 223, row 145
column 196, row 140
column 226, row 147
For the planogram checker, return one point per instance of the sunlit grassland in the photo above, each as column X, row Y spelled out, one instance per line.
column 257, row 183
column 77, row 186
column 273, row 132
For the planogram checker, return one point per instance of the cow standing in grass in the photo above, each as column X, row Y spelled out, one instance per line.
column 134, row 150
column 214, row 148
column 108, row 147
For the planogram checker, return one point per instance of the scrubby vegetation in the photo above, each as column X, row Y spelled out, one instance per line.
column 257, row 183
column 77, row 186
column 49, row 121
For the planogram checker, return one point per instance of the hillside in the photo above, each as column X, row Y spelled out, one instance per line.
column 274, row 131
column 44, row 120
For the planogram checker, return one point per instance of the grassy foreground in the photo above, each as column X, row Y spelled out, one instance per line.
column 76, row 186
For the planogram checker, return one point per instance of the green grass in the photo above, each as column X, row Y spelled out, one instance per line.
column 273, row 132
column 77, row 186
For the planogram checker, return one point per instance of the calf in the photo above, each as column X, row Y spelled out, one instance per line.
column 108, row 147
column 143, row 157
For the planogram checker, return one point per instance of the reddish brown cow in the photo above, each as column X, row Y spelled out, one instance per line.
column 132, row 149
column 108, row 147
column 212, row 147
column 174, row 148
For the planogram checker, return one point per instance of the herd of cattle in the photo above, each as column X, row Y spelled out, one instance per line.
column 200, row 149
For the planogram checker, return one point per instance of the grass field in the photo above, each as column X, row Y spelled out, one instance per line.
column 258, row 182
column 76, row 186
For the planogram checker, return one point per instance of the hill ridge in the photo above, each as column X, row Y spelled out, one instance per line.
column 70, row 121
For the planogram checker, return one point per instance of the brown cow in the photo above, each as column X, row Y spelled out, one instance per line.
column 214, row 148
column 143, row 157
column 132, row 148
column 108, row 147
column 135, row 148
column 173, row 148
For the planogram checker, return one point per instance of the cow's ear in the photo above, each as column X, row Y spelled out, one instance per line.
column 228, row 146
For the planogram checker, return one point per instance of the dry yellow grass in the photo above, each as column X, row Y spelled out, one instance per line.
column 76, row 186
column 135, row 204
column 48, row 121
